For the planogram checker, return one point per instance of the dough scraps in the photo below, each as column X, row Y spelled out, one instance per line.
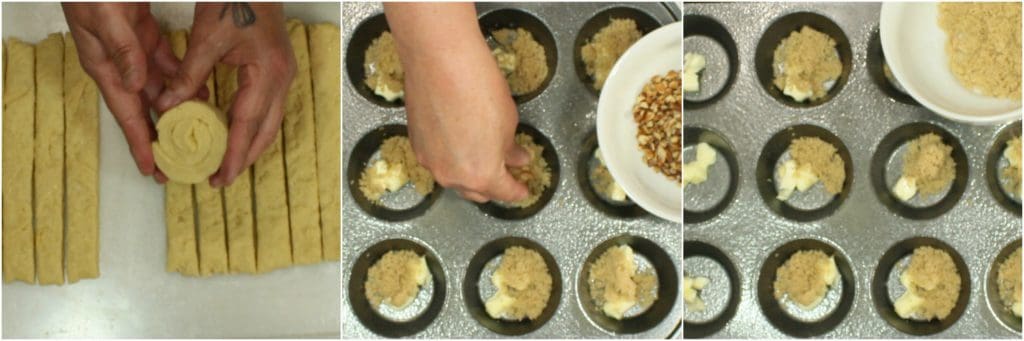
column 805, row 278
column 603, row 182
column 396, row 167
column 524, row 286
column 395, row 279
column 192, row 139
column 604, row 49
column 531, row 66
column 984, row 46
column 928, row 167
column 383, row 69
column 536, row 175
column 805, row 63
column 1009, row 282
column 932, row 283
column 813, row 160
column 1012, row 153
column 616, row 285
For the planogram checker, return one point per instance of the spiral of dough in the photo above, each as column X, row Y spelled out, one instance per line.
column 192, row 139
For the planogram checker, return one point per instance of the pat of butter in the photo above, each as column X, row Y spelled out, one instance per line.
column 905, row 188
column 908, row 304
column 693, row 63
column 506, row 60
column 793, row 177
column 386, row 92
column 696, row 171
column 691, row 292
column 617, row 303
column 613, row 191
column 390, row 177
column 796, row 93
column 1016, row 308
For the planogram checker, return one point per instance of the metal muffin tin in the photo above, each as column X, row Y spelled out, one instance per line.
column 454, row 233
column 867, row 230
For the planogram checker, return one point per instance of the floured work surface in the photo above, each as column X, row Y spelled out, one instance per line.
column 136, row 296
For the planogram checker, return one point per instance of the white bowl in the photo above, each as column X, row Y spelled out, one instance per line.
column 915, row 48
column 657, row 53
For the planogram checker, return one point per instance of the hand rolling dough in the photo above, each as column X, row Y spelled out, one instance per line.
column 192, row 141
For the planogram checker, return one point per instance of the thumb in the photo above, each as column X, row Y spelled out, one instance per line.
column 517, row 156
column 507, row 189
column 195, row 69
column 124, row 48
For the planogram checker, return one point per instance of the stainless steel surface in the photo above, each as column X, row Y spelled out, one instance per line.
column 862, row 228
column 569, row 227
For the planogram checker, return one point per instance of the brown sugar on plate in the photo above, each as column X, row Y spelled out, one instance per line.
column 523, row 283
column 932, row 283
column 396, row 167
column 605, row 48
column 396, row 278
column 805, row 278
column 616, row 285
column 658, row 116
column 806, row 64
column 521, row 59
column 383, row 69
column 983, row 46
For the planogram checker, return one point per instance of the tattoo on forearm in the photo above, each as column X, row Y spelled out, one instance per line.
column 241, row 13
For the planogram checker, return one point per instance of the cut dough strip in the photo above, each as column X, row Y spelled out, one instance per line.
column 19, row 110
column 325, row 52
column 82, row 149
column 49, row 160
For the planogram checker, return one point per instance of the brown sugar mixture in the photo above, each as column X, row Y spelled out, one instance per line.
column 530, row 60
column 616, row 285
column 396, row 278
column 524, row 285
column 933, row 284
column 984, row 46
column 804, row 62
column 536, row 175
column 658, row 116
column 607, row 45
column 383, row 69
column 396, row 167
column 1011, row 172
column 805, row 278
column 1009, row 282
column 823, row 159
column 929, row 162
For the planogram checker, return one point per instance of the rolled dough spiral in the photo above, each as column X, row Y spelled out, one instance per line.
column 192, row 139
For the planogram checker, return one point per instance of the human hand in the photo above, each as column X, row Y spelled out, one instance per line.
column 121, row 48
column 254, row 39
column 462, row 119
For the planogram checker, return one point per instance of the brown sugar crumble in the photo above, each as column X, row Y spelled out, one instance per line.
column 658, row 116
column 930, row 163
column 805, row 278
column 396, row 278
column 824, row 161
column 396, row 167
column 932, row 283
column 383, row 69
column 536, row 175
column 1009, row 282
column 521, row 58
column 607, row 45
column 616, row 285
column 984, row 46
column 1011, row 172
column 524, row 285
column 804, row 63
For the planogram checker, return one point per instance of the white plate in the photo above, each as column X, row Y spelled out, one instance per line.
column 914, row 47
column 656, row 53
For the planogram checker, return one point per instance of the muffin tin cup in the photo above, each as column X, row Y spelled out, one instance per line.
column 645, row 23
column 862, row 114
column 668, row 287
column 693, row 248
column 995, row 303
column 569, row 226
column 366, row 313
column 355, row 56
column 475, row 303
column 623, row 210
column 720, row 41
column 876, row 68
column 359, row 160
column 772, row 308
column 693, row 136
column 880, row 289
column 994, row 162
column 515, row 18
column 502, row 210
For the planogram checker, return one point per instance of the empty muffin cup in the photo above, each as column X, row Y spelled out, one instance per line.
column 508, row 212
column 887, row 168
column 403, row 204
column 477, row 286
column 707, row 37
column 813, row 204
column 388, row 321
column 995, row 163
column 764, row 55
column 722, row 294
column 886, row 286
column 516, row 18
column 648, row 255
column 711, row 197
column 785, row 314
